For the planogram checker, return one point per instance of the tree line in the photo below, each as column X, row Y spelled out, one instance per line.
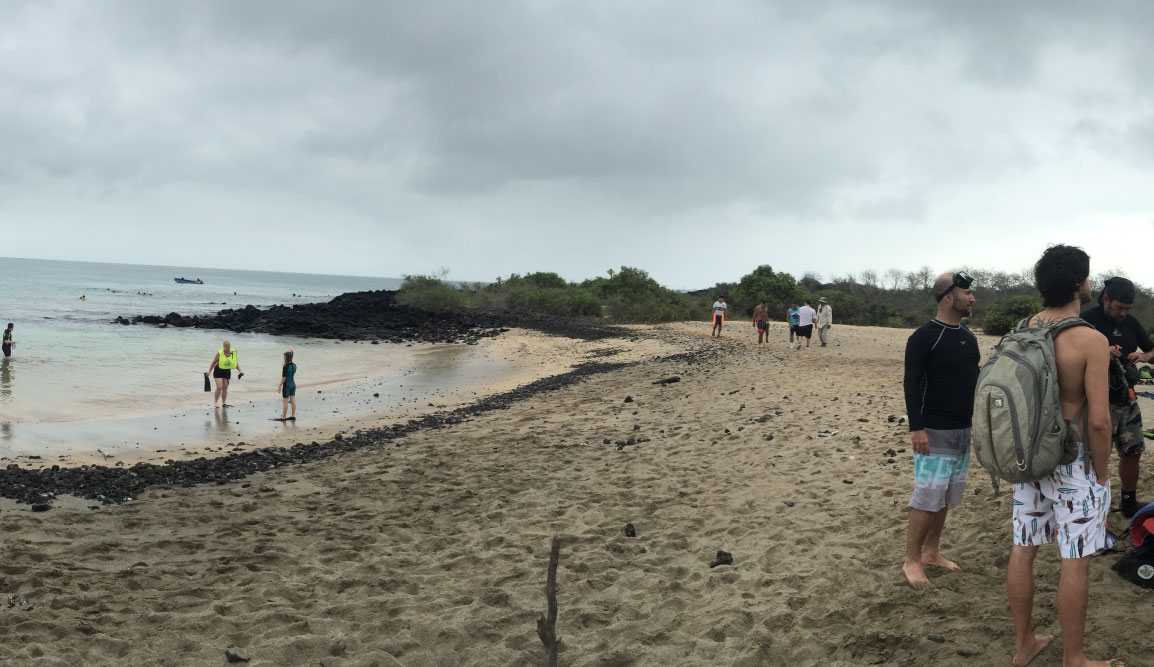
column 892, row 298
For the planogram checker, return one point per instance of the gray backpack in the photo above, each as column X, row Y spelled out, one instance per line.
column 1019, row 434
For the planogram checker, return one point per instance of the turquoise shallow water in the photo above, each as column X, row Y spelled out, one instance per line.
column 72, row 364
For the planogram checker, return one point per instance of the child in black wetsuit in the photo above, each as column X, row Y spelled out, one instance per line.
column 288, row 387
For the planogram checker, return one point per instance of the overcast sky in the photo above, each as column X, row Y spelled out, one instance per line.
column 692, row 139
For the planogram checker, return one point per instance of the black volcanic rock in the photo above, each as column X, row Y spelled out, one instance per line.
column 376, row 316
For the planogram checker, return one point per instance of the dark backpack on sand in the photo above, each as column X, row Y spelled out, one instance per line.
column 1019, row 434
column 1137, row 566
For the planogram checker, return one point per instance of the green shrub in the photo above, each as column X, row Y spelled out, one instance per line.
column 430, row 293
column 763, row 284
column 541, row 279
column 562, row 302
column 632, row 296
column 1001, row 318
column 653, row 308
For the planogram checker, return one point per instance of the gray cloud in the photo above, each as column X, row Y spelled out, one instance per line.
column 437, row 132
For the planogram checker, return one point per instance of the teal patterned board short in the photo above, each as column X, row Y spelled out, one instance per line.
column 940, row 476
column 1069, row 505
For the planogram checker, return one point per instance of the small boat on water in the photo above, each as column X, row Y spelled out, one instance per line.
column 186, row 281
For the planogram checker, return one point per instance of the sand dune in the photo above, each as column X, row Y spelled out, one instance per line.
column 433, row 551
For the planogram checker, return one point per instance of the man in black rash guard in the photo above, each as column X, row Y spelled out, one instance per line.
column 941, row 373
column 1126, row 335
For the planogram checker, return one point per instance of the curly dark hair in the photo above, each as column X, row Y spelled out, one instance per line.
column 1059, row 274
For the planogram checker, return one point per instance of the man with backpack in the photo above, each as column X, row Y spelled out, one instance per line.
column 940, row 374
column 1125, row 335
column 1067, row 496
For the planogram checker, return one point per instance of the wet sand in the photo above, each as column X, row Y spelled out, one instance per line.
column 396, row 384
column 433, row 550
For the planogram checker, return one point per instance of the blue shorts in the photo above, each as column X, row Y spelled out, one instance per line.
column 940, row 476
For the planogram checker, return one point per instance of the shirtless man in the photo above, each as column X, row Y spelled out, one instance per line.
column 761, row 321
column 1082, row 356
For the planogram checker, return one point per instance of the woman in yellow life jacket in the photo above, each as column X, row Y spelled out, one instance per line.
column 221, row 368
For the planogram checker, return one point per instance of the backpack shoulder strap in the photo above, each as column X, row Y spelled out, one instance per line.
column 1081, row 420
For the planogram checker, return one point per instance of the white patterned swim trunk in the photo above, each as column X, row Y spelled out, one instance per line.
column 1069, row 505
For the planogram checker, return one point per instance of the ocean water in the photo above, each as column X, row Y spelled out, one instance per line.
column 72, row 364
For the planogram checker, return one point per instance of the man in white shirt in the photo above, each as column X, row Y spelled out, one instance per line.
column 824, row 320
column 805, row 317
column 718, row 316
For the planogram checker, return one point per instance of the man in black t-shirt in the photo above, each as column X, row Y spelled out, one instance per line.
column 941, row 372
column 1126, row 337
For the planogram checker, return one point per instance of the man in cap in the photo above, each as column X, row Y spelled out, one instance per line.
column 1126, row 336
column 824, row 320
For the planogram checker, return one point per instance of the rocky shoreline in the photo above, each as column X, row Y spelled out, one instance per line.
column 376, row 317
column 115, row 484
column 371, row 316
column 109, row 484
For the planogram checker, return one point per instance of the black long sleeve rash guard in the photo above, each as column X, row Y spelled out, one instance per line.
column 940, row 376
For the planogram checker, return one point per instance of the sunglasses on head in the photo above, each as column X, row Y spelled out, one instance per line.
column 961, row 279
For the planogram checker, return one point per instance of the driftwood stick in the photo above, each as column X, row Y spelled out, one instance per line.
column 547, row 626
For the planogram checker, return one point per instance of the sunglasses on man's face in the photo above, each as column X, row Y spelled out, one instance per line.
column 961, row 279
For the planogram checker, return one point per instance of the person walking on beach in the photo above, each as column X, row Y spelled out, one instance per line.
column 941, row 373
column 221, row 368
column 718, row 316
column 1071, row 503
column 288, row 387
column 805, row 319
column 1126, row 335
column 791, row 317
column 824, row 320
column 6, row 347
column 761, row 321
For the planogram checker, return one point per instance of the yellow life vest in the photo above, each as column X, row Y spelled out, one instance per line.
column 226, row 362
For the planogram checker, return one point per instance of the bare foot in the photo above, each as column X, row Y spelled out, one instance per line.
column 939, row 560
column 916, row 576
column 1026, row 654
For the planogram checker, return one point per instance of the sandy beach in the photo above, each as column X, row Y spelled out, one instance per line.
column 432, row 549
